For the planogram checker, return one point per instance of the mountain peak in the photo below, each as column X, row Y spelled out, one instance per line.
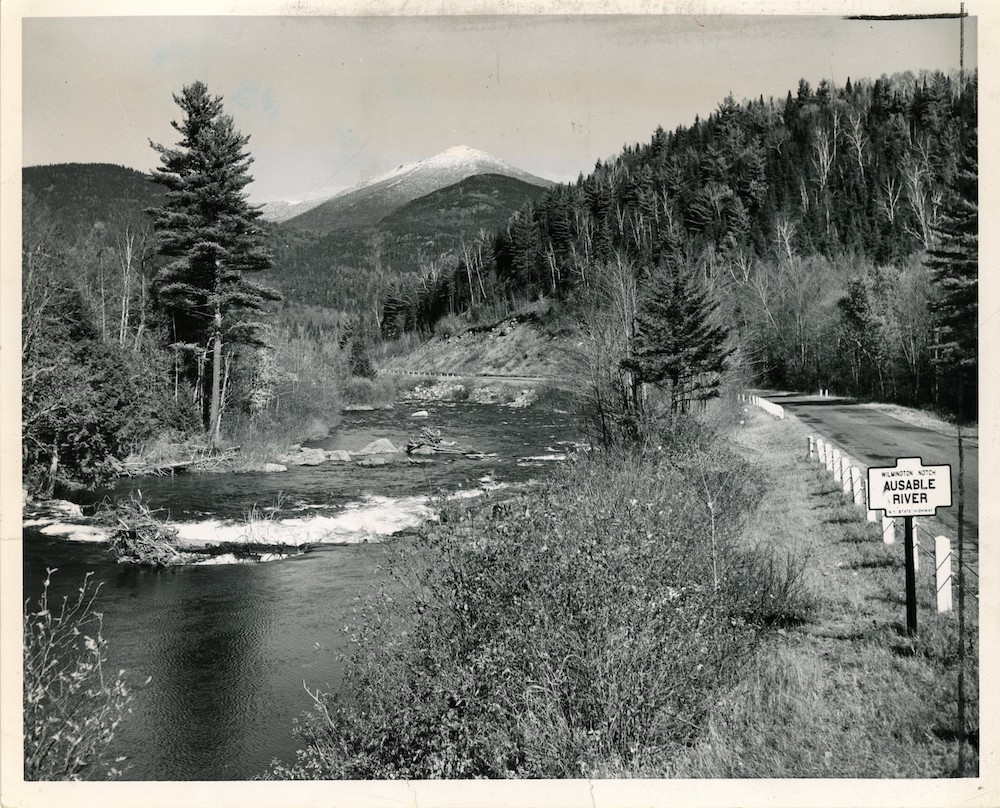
column 370, row 201
column 463, row 153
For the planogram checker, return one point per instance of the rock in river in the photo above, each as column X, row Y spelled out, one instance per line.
column 304, row 457
column 380, row 446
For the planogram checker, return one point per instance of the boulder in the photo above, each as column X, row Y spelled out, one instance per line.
column 421, row 414
column 374, row 460
column 380, row 446
column 304, row 457
column 338, row 456
column 273, row 467
column 423, row 450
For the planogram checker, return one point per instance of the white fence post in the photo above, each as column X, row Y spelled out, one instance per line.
column 834, row 462
column 845, row 473
column 857, row 489
column 810, row 447
column 942, row 559
column 888, row 530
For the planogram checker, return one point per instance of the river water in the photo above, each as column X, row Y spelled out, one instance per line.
column 230, row 647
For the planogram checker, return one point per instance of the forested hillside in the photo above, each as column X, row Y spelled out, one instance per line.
column 809, row 218
column 349, row 269
column 82, row 194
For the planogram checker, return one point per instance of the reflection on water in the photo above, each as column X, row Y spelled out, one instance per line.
column 229, row 647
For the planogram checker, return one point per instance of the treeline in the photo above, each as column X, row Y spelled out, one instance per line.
column 811, row 219
column 96, row 382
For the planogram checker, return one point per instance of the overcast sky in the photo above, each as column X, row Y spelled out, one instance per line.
column 331, row 101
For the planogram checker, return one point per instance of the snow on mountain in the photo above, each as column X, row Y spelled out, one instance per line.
column 368, row 202
column 282, row 210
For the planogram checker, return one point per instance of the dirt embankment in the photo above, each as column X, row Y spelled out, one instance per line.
column 508, row 349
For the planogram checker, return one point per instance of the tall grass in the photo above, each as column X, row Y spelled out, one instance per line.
column 72, row 705
column 377, row 393
column 583, row 625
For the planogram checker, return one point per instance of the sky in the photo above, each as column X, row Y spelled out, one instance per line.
column 331, row 101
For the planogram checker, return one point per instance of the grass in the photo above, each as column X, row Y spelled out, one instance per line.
column 359, row 392
column 847, row 694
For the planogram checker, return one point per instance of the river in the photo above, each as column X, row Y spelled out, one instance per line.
column 229, row 647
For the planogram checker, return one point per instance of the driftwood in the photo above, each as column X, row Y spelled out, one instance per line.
column 247, row 549
column 138, row 536
column 430, row 442
column 206, row 459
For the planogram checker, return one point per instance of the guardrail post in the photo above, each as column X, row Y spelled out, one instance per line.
column 942, row 559
column 857, row 490
column 845, row 473
column 809, row 447
column 870, row 515
column 835, row 464
column 888, row 530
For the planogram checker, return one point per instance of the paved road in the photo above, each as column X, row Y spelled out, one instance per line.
column 877, row 439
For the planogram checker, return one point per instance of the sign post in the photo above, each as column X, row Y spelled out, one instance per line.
column 909, row 489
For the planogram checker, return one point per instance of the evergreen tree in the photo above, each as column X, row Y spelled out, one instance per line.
column 209, row 233
column 679, row 347
column 955, row 265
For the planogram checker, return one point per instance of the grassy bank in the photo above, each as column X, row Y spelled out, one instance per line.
column 585, row 626
column 703, row 607
column 847, row 694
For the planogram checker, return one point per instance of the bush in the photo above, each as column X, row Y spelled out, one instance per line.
column 361, row 392
column 584, row 624
column 451, row 325
column 72, row 706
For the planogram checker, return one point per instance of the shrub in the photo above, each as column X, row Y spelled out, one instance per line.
column 72, row 706
column 586, row 622
column 451, row 325
column 362, row 392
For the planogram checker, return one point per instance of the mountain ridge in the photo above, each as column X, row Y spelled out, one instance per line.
column 370, row 201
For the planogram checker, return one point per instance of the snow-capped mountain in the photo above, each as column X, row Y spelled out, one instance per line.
column 369, row 202
column 281, row 210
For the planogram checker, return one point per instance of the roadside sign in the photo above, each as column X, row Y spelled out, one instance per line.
column 909, row 488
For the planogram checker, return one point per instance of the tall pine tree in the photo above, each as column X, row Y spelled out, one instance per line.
column 679, row 347
column 955, row 264
column 210, row 234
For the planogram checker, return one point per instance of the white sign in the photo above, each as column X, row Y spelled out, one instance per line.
column 909, row 488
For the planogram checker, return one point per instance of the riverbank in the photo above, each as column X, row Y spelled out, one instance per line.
column 260, row 449
column 525, row 638
column 847, row 693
